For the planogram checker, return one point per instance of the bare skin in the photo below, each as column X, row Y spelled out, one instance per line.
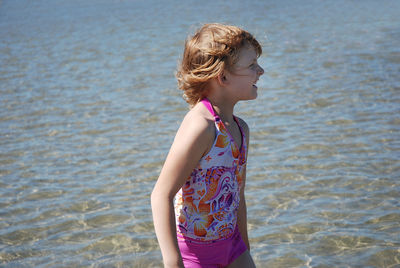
column 193, row 140
column 245, row 260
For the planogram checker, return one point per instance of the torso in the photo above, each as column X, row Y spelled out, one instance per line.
column 206, row 206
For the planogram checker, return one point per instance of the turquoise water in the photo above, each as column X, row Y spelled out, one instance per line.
column 89, row 108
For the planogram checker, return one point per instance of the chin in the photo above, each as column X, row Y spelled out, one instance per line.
column 253, row 97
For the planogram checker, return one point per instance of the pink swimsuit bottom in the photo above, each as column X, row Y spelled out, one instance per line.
column 211, row 255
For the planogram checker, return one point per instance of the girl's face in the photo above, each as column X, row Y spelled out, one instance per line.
column 243, row 77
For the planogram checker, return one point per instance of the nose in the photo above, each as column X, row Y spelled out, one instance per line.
column 260, row 70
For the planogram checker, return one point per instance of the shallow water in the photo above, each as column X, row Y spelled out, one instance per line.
column 89, row 108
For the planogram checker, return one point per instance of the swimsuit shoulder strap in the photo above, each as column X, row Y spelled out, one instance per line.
column 209, row 107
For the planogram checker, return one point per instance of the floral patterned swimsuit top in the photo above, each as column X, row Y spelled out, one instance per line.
column 206, row 205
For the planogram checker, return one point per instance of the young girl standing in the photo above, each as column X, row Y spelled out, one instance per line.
column 198, row 202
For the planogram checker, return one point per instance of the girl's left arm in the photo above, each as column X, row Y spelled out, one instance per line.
column 242, row 215
column 242, row 211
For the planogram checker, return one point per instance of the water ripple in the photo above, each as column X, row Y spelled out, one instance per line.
column 89, row 108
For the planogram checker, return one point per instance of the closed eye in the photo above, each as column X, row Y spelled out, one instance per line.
column 253, row 65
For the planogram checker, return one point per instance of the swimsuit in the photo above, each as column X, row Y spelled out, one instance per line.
column 206, row 205
column 218, row 254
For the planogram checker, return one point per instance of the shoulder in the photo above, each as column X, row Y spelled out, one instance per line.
column 197, row 127
column 198, row 119
column 244, row 126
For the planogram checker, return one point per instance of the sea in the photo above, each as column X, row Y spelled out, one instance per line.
column 89, row 107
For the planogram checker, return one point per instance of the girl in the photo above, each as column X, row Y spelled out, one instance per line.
column 198, row 202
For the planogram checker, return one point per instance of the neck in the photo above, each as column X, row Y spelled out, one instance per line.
column 222, row 103
column 223, row 108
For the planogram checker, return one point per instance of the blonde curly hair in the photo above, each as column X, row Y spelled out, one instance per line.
column 211, row 50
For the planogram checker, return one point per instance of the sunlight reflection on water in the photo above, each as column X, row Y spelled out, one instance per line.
column 89, row 108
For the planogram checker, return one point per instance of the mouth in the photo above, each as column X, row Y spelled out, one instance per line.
column 254, row 85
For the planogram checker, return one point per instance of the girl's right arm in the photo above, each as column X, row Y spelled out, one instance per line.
column 191, row 142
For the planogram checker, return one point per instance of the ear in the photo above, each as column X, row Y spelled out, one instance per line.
column 222, row 79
